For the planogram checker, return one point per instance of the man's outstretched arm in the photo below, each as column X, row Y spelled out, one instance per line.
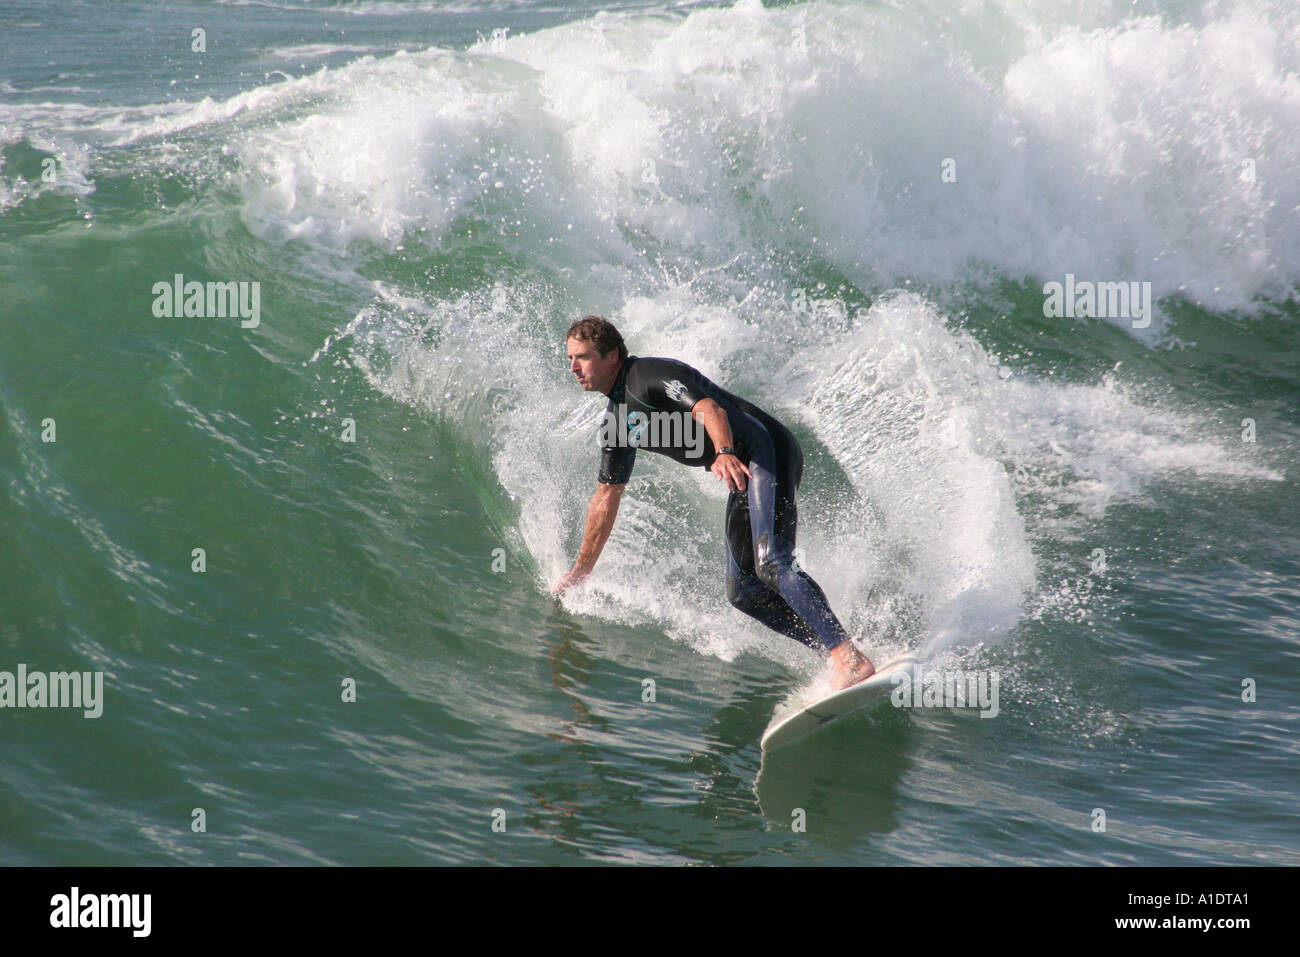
column 601, row 513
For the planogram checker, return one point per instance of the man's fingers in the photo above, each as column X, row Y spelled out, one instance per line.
column 568, row 581
column 732, row 476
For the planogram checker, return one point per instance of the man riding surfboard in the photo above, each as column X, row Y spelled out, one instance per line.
column 660, row 405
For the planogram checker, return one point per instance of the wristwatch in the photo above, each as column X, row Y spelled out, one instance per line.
column 726, row 450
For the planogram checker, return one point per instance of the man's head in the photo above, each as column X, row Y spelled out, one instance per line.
column 595, row 351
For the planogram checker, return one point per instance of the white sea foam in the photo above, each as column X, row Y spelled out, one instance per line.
column 315, row 51
column 1114, row 153
column 1156, row 148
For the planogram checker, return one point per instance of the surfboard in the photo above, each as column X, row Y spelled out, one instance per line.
column 803, row 722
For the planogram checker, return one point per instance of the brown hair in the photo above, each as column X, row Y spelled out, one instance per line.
column 599, row 331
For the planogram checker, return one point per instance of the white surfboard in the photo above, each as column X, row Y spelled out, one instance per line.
column 799, row 723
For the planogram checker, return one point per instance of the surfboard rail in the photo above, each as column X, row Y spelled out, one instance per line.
column 803, row 722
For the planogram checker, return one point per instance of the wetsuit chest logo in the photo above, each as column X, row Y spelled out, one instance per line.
column 674, row 389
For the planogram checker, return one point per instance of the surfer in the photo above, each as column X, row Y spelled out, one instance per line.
column 668, row 407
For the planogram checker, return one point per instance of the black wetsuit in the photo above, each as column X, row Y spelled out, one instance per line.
column 650, row 408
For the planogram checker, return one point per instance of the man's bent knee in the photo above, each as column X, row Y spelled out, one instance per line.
column 769, row 573
column 767, row 563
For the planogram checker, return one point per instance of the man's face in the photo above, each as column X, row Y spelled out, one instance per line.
column 595, row 374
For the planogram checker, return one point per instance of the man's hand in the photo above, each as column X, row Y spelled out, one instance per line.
column 730, row 470
column 601, row 512
column 570, row 579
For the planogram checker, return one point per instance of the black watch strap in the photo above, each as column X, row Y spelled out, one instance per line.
column 726, row 450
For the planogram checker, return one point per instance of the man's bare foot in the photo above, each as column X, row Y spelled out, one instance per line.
column 849, row 666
